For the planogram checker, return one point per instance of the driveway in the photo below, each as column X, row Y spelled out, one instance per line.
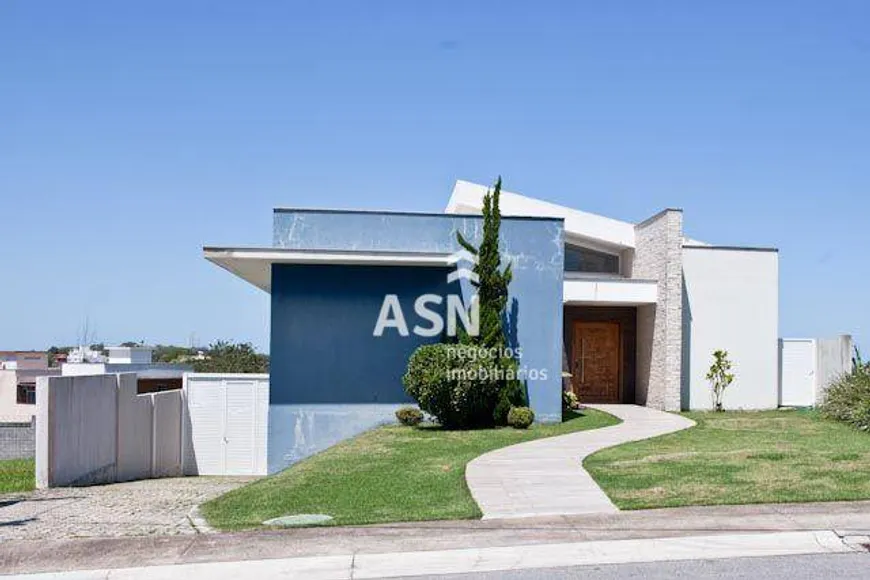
column 545, row 477
column 138, row 508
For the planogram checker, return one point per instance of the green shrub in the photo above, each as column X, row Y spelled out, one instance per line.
column 520, row 417
column 458, row 391
column 570, row 401
column 512, row 393
column 848, row 399
column 410, row 416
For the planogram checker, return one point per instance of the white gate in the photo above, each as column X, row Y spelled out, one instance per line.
column 797, row 372
column 225, row 425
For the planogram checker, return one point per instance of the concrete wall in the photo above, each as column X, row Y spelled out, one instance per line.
column 76, row 435
column 732, row 303
column 135, row 426
column 658, row 256
column 833, row 359
column 166, row 434
column 96, row 429
column 534, row 246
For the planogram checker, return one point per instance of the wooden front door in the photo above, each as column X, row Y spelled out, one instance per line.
column 595, row 365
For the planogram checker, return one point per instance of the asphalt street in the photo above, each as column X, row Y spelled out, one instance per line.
column 853, row 566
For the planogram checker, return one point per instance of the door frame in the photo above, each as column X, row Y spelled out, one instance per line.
column 620, row 362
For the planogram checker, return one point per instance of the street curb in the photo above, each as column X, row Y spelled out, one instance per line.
column 493, row 559
column 199, row 523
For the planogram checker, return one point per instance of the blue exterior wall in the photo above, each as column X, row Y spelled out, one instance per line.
column 323, row 317
column 333, row 379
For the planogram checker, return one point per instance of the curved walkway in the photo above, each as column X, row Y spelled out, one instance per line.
column 546, row 477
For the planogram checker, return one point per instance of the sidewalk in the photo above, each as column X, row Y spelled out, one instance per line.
column 546, row 477
column 843, row 519
column 481, row 560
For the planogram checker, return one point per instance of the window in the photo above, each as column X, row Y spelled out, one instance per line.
column 26, row 394
column 579, row 259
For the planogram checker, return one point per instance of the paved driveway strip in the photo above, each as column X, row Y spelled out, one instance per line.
column 136, row 508
column 546, row 477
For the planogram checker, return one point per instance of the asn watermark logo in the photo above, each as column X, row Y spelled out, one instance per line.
column 392, row 316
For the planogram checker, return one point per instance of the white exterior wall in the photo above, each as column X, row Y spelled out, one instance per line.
column 129, row 355
column 610, row 292
column 82, row 369
column 731, row 303
column 10, row 410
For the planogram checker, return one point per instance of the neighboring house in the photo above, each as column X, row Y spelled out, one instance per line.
column 85, row 354
column 23, row 359
column 151, row 377
column 18, row 393
column 18, row 372
column 632, row 311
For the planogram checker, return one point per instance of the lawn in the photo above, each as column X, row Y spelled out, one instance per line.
column 739, row 458
column 389, row 474
column 16, row 475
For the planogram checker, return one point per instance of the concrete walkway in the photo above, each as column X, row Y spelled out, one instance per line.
column 546, row 477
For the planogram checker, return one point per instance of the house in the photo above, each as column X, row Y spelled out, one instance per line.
column 23, row 359
column 18, row 373
column 151, row 377
column 632, row 311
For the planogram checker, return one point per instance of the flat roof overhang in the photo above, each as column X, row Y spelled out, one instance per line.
column 255, row 264
column 608, row 291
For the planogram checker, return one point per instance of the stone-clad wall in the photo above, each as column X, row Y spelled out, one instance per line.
column 658, row 256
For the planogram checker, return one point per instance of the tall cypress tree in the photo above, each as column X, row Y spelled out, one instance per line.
column 492, row 284
column 492, row 294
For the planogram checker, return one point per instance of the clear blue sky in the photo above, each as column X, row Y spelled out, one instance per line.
column 131, row 134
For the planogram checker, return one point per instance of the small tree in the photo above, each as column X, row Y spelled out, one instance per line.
column 229, row 357
column 720, row 376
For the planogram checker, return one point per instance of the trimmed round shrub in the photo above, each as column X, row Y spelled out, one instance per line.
column 520, row 417
column 410, row 416
column 848, row 399
column 454, row 384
